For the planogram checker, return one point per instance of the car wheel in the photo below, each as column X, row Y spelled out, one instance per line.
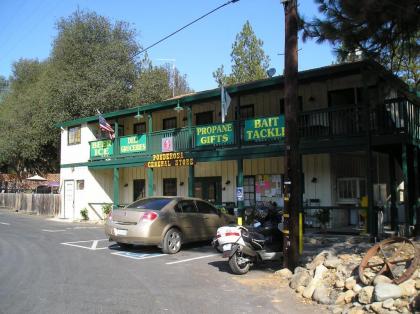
column 124, row 245
column 172, row 241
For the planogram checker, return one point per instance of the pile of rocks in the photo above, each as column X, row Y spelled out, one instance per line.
column 331, row 278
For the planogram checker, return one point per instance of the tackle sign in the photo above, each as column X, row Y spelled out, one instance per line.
column 263, row 129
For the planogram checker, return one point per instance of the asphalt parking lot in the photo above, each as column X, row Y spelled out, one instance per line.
column 56, row 267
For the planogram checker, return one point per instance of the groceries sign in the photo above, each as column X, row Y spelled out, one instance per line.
column 133, row 144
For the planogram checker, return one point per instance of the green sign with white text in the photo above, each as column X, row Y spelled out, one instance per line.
column 133, row 144
column 215, row 134
column 263, row 129
column 101, row 148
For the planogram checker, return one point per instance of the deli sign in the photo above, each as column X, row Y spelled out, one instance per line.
column 133, row 144
column 263, row 129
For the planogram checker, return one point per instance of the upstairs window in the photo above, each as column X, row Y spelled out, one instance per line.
column 204, row 118
column 246, row 112
column 73, row 135
column 169, row 123
column 139, row 128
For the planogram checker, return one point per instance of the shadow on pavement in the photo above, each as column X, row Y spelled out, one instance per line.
column 202, row 247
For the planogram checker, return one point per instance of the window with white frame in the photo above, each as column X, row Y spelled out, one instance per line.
column 350, row 190
column 73, row 135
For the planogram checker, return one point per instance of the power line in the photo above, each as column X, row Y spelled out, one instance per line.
column 180, row 29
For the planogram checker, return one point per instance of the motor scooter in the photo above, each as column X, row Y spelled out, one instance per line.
column 245, row 246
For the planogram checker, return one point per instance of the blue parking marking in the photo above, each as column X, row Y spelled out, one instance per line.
column 135, row 255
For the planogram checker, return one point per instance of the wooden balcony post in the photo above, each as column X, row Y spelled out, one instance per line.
column 149, row 170
column 240, row 164
column 416, row 178
column 393, row 191
column 190, row 145
column 116, row 184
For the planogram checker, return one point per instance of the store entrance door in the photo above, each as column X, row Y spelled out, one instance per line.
column 208, row 189
column 138, row 189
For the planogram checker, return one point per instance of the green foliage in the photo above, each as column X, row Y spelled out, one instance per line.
column 107, row 209
column 157, row 83
column 91, row 67
column 383, row 30
column 249, row 61
column 84, row 214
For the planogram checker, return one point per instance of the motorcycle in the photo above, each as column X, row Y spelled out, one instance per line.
column 245, row 246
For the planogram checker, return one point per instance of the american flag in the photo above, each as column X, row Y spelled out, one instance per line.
column 104, row 126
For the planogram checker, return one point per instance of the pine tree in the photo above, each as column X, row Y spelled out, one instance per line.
column 249, row 61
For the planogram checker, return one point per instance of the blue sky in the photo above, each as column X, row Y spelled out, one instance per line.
column 27, row 30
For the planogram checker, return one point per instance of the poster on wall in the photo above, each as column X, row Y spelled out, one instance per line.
column 167, row 144
column 240, row 193
column 268, row 188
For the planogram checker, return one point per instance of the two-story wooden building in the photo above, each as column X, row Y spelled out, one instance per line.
column 359, row 138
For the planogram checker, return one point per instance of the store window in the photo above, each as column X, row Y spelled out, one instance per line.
column 246, row 112
column 169, row 187
column 73, row 135
column 350, row 190
column 80, row 185
column 139, row 128
column 300, row 101
column 204, row 118
column 249, row 191
column 169, row 123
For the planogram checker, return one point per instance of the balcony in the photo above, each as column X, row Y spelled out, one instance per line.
column 394, row 117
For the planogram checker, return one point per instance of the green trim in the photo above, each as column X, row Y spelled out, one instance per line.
column 149, row 173
column 319, row 73
column 116, row 182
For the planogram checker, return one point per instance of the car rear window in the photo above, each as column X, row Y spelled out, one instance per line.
column 150, row 203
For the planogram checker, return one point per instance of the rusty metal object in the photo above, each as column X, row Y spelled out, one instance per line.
column 397, row 257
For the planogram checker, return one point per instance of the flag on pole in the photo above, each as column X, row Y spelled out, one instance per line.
column 106, row 127
column 225, row 103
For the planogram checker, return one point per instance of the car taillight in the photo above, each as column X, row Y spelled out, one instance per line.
column 218, row 235
column 229, row 234
column 149, row 216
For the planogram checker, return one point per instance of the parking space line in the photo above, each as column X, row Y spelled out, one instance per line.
column 192, row 259
column 93, row 247
column 53, row 230
column 5, row 223
column 138, row 256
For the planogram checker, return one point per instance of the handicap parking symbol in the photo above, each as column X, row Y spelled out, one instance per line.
column 137, row 255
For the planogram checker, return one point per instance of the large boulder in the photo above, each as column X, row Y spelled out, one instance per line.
column 381, row 279
column 310, row 288
column 284, row 273
column 332, row 262
column 365, row 295
column 408, row 288
column 301, row 278
column 321, row 294
column 350, row 283
column 385, row 291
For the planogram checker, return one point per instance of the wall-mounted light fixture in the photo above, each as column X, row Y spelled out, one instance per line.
column 138, row 116
column 178, row 107
column 125, row 185
column 181, row 183
column 311, row 99
column 227, row 182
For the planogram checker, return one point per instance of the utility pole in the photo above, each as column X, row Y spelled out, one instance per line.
column 292, row 160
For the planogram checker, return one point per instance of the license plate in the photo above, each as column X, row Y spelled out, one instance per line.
column 122, row 232
column 227, row 247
